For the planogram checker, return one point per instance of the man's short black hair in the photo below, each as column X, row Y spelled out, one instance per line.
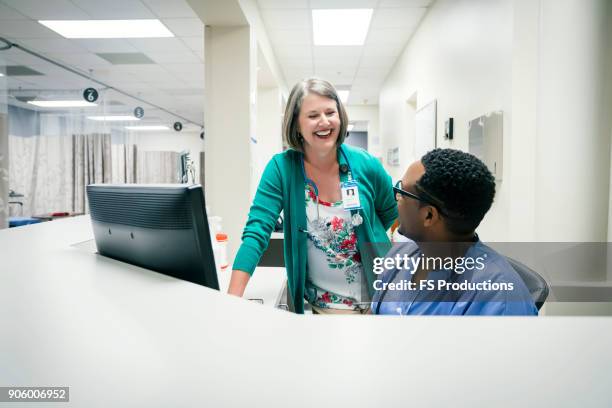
column 462, row 183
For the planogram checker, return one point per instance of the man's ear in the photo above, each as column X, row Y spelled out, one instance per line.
column 432, row 215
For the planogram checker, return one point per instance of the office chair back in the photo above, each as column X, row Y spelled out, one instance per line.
column 538, row 288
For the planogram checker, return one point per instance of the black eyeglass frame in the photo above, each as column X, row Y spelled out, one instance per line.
column 398, row 190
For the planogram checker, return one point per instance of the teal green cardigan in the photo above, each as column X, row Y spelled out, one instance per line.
column 282, row 188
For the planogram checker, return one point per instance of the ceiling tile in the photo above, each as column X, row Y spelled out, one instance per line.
column 128, row 86
column 18, row 29
column 286, row 19
column 290, row 37
column 389, row 35
column 404, row 3
column 369, row 82
column 142, row 72
column 189, row 70
column 187, row 57
column 125, row 58
column 185, row 27
column 380, row 62
column 337, row 62
column 16, row 83
column 335, row 78
column 282, row 4
column 114, row 9
column 397, row 17
column 323, row 51
column 170, row 9
column 372, row 72
column 298, row 73
column 357, row 97
column 83, row 61
column 288, row 51
column 48, row 9
column 194, row 43
column 382, row 50
column 342, row 4
column 337, row 71
column 53, row 45
column 158, row 44
column 296, row 63
column 8, row 13
column 106, row 45
column 18, row 56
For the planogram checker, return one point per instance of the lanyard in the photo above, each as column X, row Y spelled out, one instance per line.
column 313, row 185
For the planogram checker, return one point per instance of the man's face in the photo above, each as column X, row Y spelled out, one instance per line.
column 411, row 214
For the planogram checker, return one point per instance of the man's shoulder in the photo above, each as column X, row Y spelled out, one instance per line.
column 402, row 248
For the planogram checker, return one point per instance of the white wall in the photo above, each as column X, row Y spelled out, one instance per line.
column 543, row 62
column 573, row 144
column 461, row 55
column 268, row 131
column 173, row 141
column 230, row 100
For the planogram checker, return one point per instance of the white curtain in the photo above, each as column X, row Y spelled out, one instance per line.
column 154, row 167
column 40, row 168
column 52, row 172
column 123, row 163
column 92, row 163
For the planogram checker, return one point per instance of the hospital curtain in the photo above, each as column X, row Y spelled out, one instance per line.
column 92, row 163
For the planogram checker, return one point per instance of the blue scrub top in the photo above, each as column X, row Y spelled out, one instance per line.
column 496, row 269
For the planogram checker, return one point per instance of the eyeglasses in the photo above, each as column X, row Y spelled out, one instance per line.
column 397, row 189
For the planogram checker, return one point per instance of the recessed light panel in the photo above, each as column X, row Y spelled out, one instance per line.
column 108, row 28
column 149, row 127
column 117, row 118
column 340, row 26
column 63, row 104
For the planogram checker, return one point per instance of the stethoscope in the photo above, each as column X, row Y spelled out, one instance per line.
column 344, row 168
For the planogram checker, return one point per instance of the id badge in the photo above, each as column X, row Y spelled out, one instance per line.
column 350, row 195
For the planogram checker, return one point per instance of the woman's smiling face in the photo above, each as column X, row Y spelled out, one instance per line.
column 319, row 123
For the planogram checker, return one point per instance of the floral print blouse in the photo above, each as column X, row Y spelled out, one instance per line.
column 335, row 274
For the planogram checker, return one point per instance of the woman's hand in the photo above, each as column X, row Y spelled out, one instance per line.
column 238, row 282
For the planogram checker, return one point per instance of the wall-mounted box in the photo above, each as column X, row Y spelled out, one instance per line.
column 486, row 138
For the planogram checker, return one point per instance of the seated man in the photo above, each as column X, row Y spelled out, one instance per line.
column 445, row 269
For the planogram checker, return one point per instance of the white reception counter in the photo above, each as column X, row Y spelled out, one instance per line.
column 121, row 336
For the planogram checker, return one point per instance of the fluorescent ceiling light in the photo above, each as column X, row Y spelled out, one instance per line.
column 340, row 26
column 148, row 127
column 63, row 104
column 343, row 96
column 108, row 28
column 350, row 127
column 118, row 118
column 1, row 74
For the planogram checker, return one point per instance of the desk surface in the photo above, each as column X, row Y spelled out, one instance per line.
column 119, row 336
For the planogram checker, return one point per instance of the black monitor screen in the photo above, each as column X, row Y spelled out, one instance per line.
column 159, row 227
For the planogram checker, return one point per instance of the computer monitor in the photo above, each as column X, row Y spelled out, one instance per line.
column 159, row 227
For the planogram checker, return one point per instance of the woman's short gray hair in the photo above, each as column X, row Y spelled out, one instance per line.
column 291, row 130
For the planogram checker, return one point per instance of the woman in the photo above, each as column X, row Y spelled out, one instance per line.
column 335, row 199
